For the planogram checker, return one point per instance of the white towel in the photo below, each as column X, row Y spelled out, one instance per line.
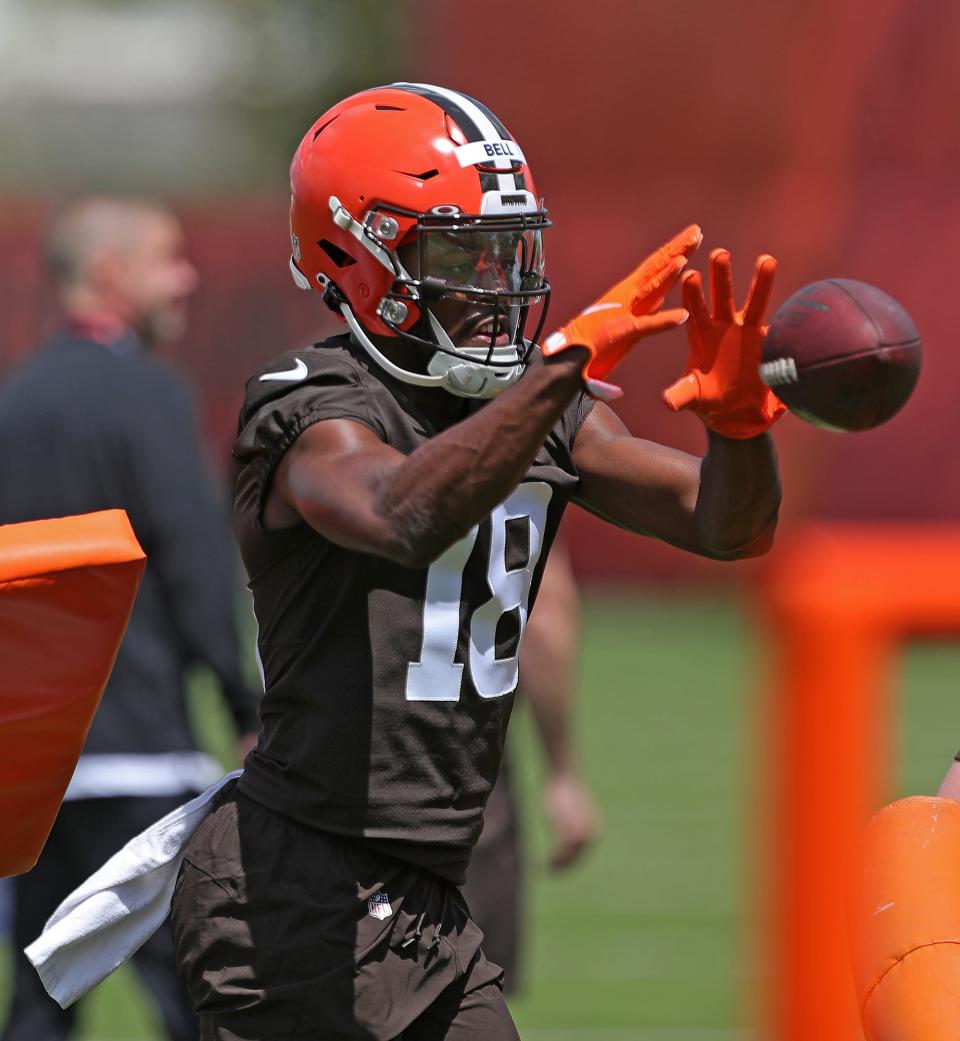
column 119, row 907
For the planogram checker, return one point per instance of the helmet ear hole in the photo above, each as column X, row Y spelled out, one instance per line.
column 339, row 256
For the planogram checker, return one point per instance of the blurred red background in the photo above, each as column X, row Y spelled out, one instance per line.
column 828, row 139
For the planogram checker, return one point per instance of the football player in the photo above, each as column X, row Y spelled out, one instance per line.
column 399, row 488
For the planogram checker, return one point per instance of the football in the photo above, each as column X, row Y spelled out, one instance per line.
column 842, row 354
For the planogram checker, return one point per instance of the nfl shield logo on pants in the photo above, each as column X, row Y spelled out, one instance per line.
column 378, row 906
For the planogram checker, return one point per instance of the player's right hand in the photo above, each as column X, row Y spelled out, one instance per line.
column 615, row 323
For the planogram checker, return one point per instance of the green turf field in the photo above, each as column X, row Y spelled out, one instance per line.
column 646, row 940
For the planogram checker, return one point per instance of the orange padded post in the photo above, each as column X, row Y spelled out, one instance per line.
column 838, row 599
column 66, row 590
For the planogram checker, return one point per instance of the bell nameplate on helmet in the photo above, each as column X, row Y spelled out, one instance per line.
column 489, row 153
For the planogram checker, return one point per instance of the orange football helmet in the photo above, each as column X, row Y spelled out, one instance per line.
column 415, row 213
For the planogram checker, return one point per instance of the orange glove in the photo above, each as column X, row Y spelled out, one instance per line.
column 723, row 384
column 613, row 325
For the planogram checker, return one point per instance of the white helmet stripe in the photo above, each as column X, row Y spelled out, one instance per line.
column 506, row 182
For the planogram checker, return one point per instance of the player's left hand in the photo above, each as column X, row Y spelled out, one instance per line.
column 573, row 818
column 722, row 384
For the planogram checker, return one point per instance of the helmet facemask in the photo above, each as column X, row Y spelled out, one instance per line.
column 476, row 281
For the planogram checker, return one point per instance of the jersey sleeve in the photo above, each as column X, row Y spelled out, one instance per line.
column 574, row 417
column 290, row 394
column 584, row 406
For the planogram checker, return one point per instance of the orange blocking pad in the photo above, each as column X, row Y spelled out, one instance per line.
column 67, row 587
column 837, row 601
column 906, row 922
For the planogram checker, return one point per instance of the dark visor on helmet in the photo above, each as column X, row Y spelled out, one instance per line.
column 479, row 260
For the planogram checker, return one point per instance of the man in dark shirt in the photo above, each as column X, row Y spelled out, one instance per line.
column 92, row 422
column 399, row 490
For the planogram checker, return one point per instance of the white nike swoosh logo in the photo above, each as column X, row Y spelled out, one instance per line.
column 296, row 373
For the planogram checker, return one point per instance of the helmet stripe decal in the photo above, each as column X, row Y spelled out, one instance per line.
column 500, row 128
column 475, row 120
column 489, row 182
column 456, row 112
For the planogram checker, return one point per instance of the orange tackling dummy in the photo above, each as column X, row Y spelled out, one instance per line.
column 66, row 590
column 906, row 922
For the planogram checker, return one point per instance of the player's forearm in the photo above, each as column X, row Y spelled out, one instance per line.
column 436, row 495
column 739, row 497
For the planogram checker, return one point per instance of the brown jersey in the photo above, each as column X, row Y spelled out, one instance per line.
column 387, row 689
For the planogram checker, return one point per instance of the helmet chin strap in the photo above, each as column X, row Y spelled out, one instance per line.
column 465, row 379
column 416, row 378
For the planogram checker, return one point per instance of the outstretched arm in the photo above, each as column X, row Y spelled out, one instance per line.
column 722, row 506
column 364, row 495
column 341, row 479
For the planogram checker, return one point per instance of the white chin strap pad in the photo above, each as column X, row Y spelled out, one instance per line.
column 471, row 379
column 468, row 378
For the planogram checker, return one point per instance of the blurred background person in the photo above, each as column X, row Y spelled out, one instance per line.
column 497, row 877
column 93, row 421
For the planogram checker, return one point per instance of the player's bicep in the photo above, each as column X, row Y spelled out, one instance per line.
column 639, row 485
column 331, row 478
